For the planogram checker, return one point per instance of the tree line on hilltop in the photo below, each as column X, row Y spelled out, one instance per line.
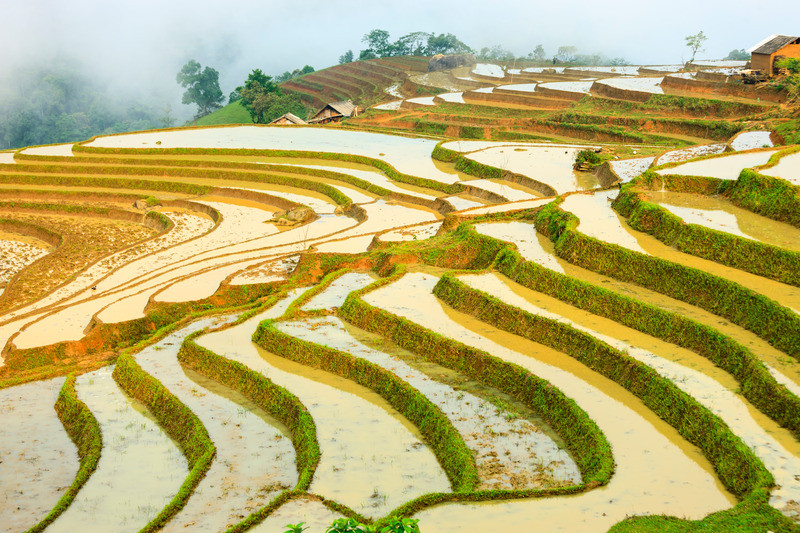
column 420, row 43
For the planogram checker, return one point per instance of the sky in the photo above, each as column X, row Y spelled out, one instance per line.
column 137, row 47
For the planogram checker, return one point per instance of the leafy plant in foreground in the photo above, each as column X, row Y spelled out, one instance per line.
column 296, row 528
column 395, row 525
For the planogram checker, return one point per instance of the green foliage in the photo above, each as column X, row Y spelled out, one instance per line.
column 265, row 106
column 416, row 43
column 496, row 53
column 792, row 64
column 346, row 525
column 445, row 44
column 589, row 157
column 296, row 73
column 347, row 57
column 393, row 525
column 695, row 42
column 766, row 195
column 738, row 55
column 538, row 54
column 566, row 54
column 295, row 528
column 400, row 525
column 789, row 130
column 202, row 87
column 233, row 113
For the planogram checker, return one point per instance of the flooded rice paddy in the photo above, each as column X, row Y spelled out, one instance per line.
column 373, row 459
column 684, row 154
column 37, row 458
column 627, row 169
column 633, row 488
column 511, row 452
column 140, row 468
column 551, row 165
column 726, row 167
column 598, row 220
column 255, row 458
column 788, row 168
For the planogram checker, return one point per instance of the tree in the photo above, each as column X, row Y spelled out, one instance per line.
column 738, row 55
column 496, row 53
column 566, row 54
column 167, row 120
column 695, row 42
column 366, row 54
column 378, row 42
column 347, row 57
column 412, row 44
column 202, row 87
column 446, row 44
column 538, row 53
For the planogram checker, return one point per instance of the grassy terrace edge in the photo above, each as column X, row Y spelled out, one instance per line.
column 273, row 399
column 766, row 318
column 83, row 429
column 446, row 443
column 383, row 166
column 164, row 165
column 179, row 422
column 736, row 465
column 751, row 256
column 764, row 195
column 586, row 442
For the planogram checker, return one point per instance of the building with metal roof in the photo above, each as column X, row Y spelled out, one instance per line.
column 335, row 111
column 764, row 54
column 288, row 118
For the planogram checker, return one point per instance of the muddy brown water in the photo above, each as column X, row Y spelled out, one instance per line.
column 657, row 470
column 511, row 452
column 373, row 459
column 759, row 347
column 755, row 226
column 255, row 459
column 140, row 469
column 774, row 446
column 38, row 461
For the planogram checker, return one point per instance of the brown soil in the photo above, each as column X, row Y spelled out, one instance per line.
column 85, row 242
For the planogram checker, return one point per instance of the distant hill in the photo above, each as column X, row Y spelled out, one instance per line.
column 230, row 114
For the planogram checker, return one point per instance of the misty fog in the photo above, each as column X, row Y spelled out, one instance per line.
column 133, row 50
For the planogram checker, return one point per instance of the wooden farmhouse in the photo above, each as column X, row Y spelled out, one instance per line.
column 288, row 118
column 335, row 112
column 764, row 55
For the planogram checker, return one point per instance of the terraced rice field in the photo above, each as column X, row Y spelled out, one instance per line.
column 263, row 326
